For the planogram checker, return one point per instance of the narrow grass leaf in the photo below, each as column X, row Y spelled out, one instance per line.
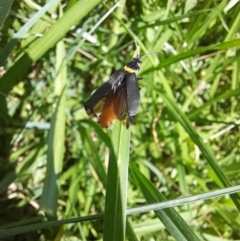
column 169, row 217
column 194, row 52
column 4, row 10
column 4, row 233
column 56, row 138
column 117, row 179
column 130, row 232
column 23, row 30
column 175, row 19
column 228, row 94
column 184, row 200
column 93, row 157
column 233, row 30
column 35, row 51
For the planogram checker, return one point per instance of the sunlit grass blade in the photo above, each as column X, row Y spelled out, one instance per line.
column 175, row 19
column 24, row 30
column 194, row 52
column 184, row 200
column 43, row 44
column 169, row 217
column 116, row 191
column 73, row 50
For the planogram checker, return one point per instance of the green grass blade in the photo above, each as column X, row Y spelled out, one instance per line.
column 130, row 232
column 200, row 41
column 117, row 179
column 92, row 151
column 206, row 152
column 169, row 217
column 161, row 205
column 234, row 29
column 35, row 51
column 184, row 200
column 4, row 10
column 175, row 19
column 235, row 80
column 194, row 52
column 47, row 224
column 24, row 30
column 56, row 137
column 231, row 93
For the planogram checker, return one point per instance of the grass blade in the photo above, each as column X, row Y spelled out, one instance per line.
column 43, row 44
column 194, row 52
column 56, row 137
column 24, row 30
column 117, row 178
column 171, row 203
column 4, row 10
column 170, row 218
column 206, row 152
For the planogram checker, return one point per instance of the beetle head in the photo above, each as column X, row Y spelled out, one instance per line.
column 134, row 65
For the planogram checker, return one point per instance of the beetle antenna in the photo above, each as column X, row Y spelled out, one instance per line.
column 135, row 41
column 152, row 53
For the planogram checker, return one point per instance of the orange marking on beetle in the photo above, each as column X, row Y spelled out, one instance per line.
column 108, row 115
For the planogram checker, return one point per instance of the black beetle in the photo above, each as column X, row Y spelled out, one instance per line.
column 119, row 97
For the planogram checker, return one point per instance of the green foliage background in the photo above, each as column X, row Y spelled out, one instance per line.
column 184, row 140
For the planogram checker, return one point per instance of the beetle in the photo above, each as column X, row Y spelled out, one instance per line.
column 119, row 97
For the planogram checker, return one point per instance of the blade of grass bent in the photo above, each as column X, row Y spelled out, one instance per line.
column 116, row 192
column 169, row 217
